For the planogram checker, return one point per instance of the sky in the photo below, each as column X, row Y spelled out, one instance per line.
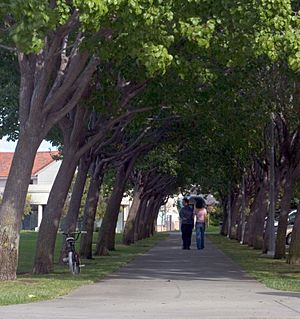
column 6, row 146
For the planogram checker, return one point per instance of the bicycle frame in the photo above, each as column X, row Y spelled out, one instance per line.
column 72, row 257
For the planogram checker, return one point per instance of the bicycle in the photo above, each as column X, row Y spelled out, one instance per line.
column 72, row 257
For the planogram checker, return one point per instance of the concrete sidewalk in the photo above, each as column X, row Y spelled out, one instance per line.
column 172, row 283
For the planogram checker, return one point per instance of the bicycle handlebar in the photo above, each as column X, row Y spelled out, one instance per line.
column 75, row 233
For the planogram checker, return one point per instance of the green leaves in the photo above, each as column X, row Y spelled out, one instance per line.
column 294, row 62
column 189, row 47
column 31, row 20
column 91, row 13
column 196, row 31
column 278, row 32
column 156, row 58
column 9, row 86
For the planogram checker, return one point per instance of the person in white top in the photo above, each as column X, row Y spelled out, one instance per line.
column 200, row 213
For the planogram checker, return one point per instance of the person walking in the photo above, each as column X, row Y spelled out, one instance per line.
column 201, row 215
column 186, row 215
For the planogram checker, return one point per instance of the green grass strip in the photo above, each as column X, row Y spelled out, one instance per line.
column 276, row 274
column 30, row 288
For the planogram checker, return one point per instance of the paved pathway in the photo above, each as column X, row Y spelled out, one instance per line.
column 169, row 283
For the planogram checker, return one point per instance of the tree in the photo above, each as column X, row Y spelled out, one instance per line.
column 59, row 45
column 150, row 179
column 90, row 210
column 44, row 99
column 55, row 42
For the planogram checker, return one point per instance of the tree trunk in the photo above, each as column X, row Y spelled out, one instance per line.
column 242, row 223
column 154, row 217
column 107, row 229
column 44, row 257
column 294, row 250
column 226, row 215
column 74, row 208
column 146, row 218
column 257, row 219
column 234, row 216
column 90, row 211
column 150, row 215
column 42, row 104
column 128, row 235
column 285, row 206
column 259, row 222
column 140, row 213
column 266, row 242
column 13, row 202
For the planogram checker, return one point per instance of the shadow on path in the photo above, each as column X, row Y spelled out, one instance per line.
column 169, row 282
column 168, row 261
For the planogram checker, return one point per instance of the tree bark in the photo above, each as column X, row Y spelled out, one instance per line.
column 234, row 216
column 13, row 202
column 77, row 192
column 285, row 206
column 140, row 213
column 128, row 235
column 145, row 217
column 74, row 208
column 242, row 223
column 44, row 256
column 155, row 216
column 106, row 238
column 258, row 213
column 150, row 215
column 226, row 215
column 90, row 211
column 294, row 250
column 259, row 221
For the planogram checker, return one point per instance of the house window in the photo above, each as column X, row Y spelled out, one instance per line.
column 31, row 181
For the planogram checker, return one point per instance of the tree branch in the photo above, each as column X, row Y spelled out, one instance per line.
column 26, row 87
column 98, row 136
column 76, row 69
column 84, row 80
column 133, row 93
column 11, row 49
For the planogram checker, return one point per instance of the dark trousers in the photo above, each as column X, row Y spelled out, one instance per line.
column 186, row 230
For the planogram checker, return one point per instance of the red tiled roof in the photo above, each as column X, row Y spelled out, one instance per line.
column 42, row 159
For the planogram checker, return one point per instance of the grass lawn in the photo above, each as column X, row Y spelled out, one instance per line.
column 276, row 274
column 212, row 229
column 29, row 288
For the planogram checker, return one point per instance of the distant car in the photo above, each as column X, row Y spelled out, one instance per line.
column 291, row 222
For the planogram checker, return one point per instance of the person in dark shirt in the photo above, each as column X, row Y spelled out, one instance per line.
column 186, row 215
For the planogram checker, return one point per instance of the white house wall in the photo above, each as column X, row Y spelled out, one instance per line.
column 47, row 175
column 39, row 194
column 2, row 183
column 168, row 217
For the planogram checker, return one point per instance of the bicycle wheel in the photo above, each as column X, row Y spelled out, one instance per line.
column 71, row 261
column 76, row 264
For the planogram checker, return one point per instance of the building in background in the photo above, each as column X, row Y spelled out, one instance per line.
column 168, row 217
column 43, row 174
